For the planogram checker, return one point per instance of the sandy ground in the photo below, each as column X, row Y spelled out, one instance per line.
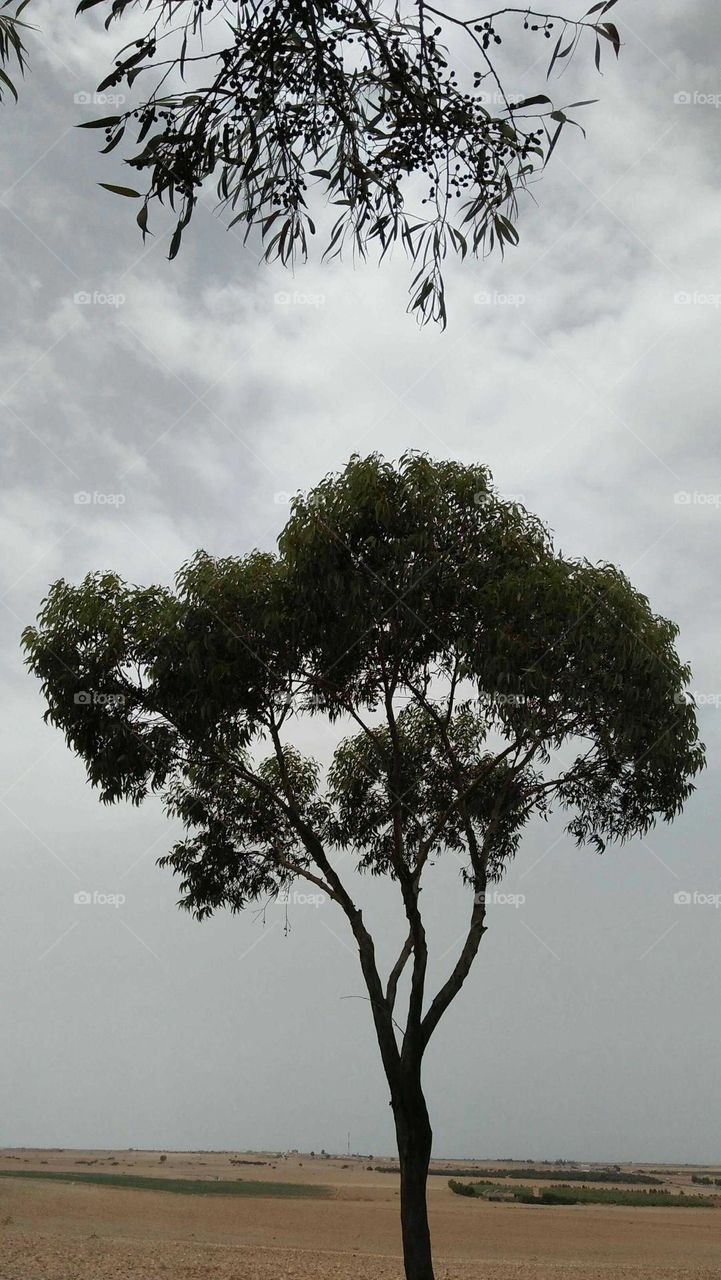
column 60, row 1231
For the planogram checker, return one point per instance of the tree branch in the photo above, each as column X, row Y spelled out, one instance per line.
column 366, row 948
column 397, row 970
column 459, row 973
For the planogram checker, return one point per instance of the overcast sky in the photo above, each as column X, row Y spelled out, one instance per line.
column 184, row 410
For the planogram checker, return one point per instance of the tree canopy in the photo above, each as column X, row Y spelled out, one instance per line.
column 412, row 582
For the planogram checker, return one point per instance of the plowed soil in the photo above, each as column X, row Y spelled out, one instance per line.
column 66, row 1231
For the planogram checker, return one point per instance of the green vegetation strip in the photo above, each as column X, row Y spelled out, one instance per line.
column 543, row 1175
column 576, row 1175
column 183, row 1186
column 582, row 1195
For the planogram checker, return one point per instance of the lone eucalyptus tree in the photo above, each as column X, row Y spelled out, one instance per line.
column 483, row 679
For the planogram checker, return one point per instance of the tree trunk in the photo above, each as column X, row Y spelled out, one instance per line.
column 415, row 1137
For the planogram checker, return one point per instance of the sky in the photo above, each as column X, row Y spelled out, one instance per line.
column 150, row 408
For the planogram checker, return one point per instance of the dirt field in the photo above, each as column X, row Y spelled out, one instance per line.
column 65, row 1231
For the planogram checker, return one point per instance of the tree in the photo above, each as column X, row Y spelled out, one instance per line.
column 482, row 677
column 392, row 117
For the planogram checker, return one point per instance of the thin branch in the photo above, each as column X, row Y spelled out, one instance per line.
column 397, row 970
column 459, row 973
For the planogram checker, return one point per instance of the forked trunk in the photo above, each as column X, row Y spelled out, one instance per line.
column 413, row 1131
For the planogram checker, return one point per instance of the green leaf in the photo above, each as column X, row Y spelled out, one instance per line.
column 121, row 191
column 175, row 243
column 107, row 122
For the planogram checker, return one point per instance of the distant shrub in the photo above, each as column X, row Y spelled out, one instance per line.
column 564, row 1194
column 614, row 1174
column 462, row 1188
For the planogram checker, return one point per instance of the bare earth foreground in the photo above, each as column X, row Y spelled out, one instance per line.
column 70, row 1231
